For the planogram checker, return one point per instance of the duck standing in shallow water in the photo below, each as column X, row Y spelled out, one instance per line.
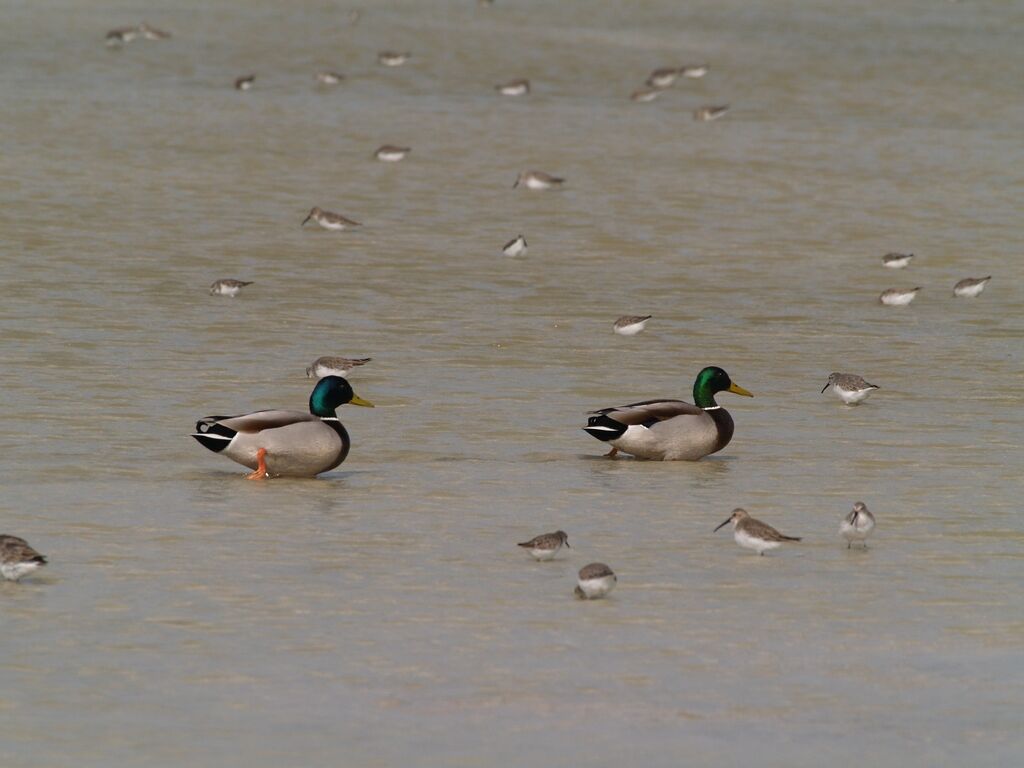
column 670, row 430
column 286, row 443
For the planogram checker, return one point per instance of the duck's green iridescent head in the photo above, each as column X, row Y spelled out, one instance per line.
column 711, row 381
column 330, row 393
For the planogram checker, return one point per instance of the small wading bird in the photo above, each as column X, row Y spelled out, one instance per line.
column 750, row 533
column 595, row 581
column 857, row 525
column 849, row 388
column 332, row 221
column 17, row 558
column 546, row 546
column 334, row 366
column 970, row 287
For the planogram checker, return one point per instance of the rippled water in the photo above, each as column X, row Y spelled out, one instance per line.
column 382, row 615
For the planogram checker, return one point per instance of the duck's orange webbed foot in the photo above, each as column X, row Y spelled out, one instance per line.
column 261, row 468
column 612, row 453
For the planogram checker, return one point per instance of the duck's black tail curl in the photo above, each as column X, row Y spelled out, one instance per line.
column 604, row 428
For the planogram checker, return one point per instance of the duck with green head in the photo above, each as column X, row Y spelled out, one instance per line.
column 286, row 443
column 670, row 430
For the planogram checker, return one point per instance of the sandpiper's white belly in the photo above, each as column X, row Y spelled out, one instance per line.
column 15, row 571
column 543, row 554
column 898, row 299
column 516, row 248
column 858, row 532
column 631, row 330
column 532, row 182
column 594, row 588
column 333, row 225
column 747, row 541
column 852, row 396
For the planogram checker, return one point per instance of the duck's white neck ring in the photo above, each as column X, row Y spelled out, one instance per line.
column 712, row 408
column 329, row 418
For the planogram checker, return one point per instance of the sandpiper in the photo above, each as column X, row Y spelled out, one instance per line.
column 663, row 77
column 537, row 180
column 392, row 58
column 897, row 260
column 329, row 78
column 152, row 33
column 17, row 558
column 514, row 88
column 705, row 114
column 753, row 534
column 228, row 287
column 121, row 35
column 328, row 220
column 595, row 580
column 970, row 287
column 849, row 388
column 515, row 246
column 643, row 95
column 898, row 297
column 694, row 71
column 245, row 82
column 630, row 325
column 546, row 546
column 354, row 16
column 857, row 525
column 334, row 366
column 389, row 153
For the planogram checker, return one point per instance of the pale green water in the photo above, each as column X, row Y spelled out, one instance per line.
column 382, row 615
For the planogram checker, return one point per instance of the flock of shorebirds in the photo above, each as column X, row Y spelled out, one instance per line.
column 307, row 443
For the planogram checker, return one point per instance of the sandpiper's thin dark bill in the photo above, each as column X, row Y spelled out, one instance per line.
column 898, row 297
column 17, row 558
column 630, row 325
column 515, row 247
column 595, row 581
column 897, row 260
column 645, row 95
column 750, row 533
column 330, row 365
column 329, row 78
column 393, row 58
column 546, row 546
column 857, row 525
column 228, row 287
column 970, row 287
column 849, row 387
column 329, row 220
column 245, row 82
column 706, row 114
column 694, row 71
column 389, row 153
column 514, row 88
column 537, row 180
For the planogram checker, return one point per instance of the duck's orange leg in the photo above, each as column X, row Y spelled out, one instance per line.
column 261, row 468
column 612, row 453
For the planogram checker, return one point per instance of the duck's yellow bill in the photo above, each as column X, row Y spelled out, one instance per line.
column 357, row 400
column 736, row 389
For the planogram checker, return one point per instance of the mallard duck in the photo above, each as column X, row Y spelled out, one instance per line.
column 286, row 443
column 670, row 430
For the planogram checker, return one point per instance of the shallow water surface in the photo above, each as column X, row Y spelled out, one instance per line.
column 382, row 614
